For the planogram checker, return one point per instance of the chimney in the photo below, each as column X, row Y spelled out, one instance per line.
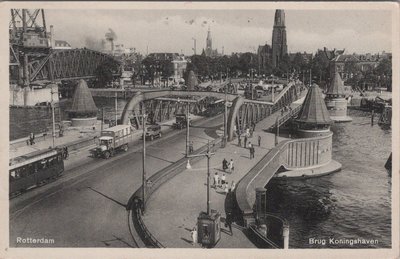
column 52, row 40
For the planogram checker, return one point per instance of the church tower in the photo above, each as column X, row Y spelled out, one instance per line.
column 208, row 43
column 279, row 46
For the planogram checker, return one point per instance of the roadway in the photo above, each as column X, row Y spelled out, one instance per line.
column 86, row 206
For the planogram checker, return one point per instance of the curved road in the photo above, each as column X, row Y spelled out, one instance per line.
column 86, row 206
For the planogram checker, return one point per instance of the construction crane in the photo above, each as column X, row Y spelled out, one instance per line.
column 29, row 43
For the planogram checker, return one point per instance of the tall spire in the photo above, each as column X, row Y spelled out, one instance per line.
column 279, row 44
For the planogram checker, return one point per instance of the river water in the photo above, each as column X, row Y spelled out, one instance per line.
column 351, row 205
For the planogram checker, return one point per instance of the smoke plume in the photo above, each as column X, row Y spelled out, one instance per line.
column 110, row 35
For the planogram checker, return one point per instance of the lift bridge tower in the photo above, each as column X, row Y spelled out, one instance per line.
column 29, row 43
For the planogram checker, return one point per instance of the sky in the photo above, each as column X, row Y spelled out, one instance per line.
column 359, row 31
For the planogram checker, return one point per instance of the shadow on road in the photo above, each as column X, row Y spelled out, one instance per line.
column 107, row 242
column 117, row 202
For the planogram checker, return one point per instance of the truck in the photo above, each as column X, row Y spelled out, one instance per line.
column 111, row 140
column 181, row 121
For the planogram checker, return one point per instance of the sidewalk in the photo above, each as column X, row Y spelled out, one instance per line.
column 74, row 134
column 172, row 210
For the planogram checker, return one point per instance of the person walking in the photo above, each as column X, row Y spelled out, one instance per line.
column 194, row 236
column 224, row 164
column 223, row 179
column 252, row 151
column 259, row 140
column 233, row 186
column 245, row 141
column 216, row 180
column 228, row 222
column 239, row 141
column 190, row 147
column 231, row 166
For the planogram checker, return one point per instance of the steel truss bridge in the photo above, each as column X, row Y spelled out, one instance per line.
column 162, row 105
column 71, row 64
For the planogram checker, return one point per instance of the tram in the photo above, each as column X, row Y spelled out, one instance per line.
column 34, row 169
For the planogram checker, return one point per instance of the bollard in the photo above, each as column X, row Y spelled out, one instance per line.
column 188, row 166
column 372, row 117
column 285, row 235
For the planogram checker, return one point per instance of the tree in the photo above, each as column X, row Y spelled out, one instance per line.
column 384, row 73
column 104, row 74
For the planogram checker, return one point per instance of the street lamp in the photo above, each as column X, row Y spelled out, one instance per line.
column 53, row 117
column 208, row 154
column 144, row 185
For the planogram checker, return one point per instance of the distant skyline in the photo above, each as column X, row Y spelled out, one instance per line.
column 359, row 31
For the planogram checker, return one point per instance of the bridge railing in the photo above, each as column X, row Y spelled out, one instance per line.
column 155, row 182
column 292, row 154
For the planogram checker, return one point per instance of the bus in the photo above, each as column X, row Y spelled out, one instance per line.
column 34, row 169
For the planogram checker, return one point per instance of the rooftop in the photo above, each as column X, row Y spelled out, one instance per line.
column 314, row 110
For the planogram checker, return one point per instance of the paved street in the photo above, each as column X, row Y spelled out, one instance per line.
column 86, row 206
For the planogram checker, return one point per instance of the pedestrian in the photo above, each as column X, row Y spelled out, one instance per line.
column 224, row 164
column 233, row 186
column 247, row 131
column 194, row 236
column 231, row 166
column 216, row 180
column 228, row 222
column 226, row 189
column 251, row 132
column 191, row 147
column 259, row 140
column 254, row 127
column 223, row 179
column 66, row 154
column 245, row 141
column 239, row 141
column 253, row 151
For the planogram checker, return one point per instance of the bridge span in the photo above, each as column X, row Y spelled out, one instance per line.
column 294, row 154
column 242, row 114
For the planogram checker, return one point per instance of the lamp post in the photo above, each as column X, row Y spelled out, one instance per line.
column 277, row 131
column 225, row 117
column 144, row 185
column 187, row 128
column 116, row 108
column 53, row 117
column 208, row 155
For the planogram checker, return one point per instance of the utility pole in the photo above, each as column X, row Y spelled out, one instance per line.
column 208, row 155
column 53, row 118
column 277, row 131
column 144, row 180
column 310, row 78
column 225, row 117
column 187, row 129
column 116, row 108
column 194, row 45
column 102, row 118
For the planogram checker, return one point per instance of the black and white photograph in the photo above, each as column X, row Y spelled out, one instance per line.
column 204, row 126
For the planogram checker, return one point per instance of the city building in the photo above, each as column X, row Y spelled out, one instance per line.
column 363, row 62
column 61, row 44
column 264, row 57
column 279, row 44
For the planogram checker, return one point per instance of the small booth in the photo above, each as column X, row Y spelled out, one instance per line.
column 209, row 228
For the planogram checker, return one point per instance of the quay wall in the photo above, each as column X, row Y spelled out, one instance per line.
column 30, row 97
column 290, row 154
